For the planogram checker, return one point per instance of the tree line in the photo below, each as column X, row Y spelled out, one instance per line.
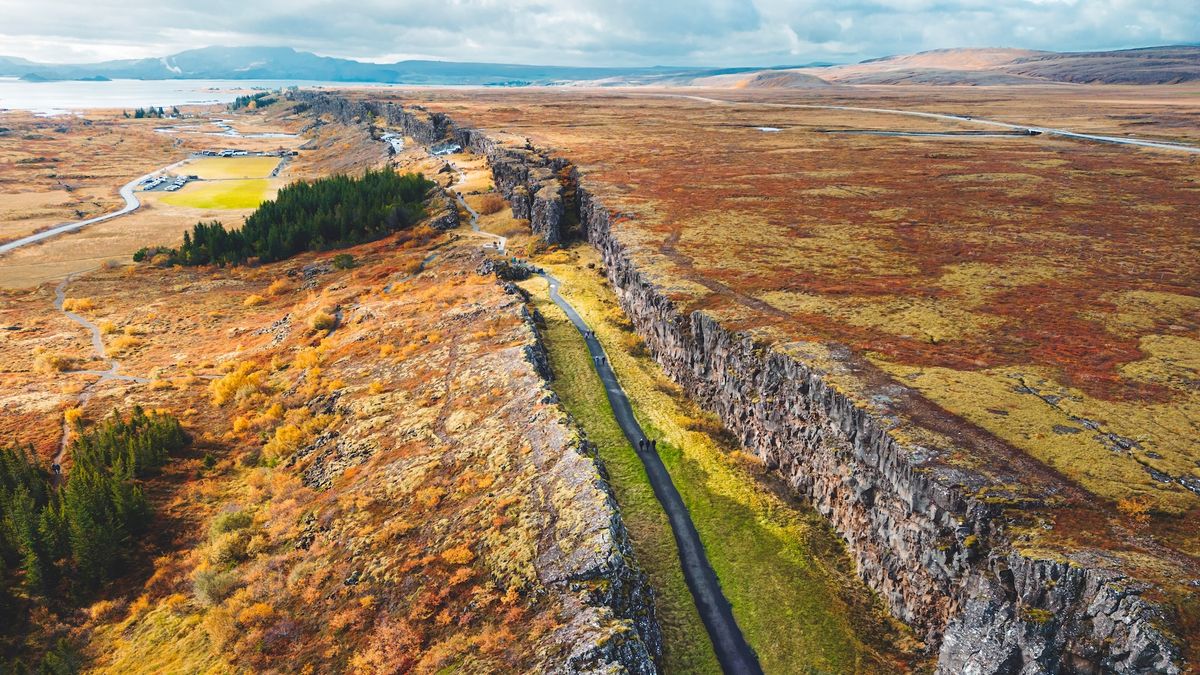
column 151, row 112
column 258, row 100
column 64, row 543
column 328, row 213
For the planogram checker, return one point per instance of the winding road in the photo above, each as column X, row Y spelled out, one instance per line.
column 1048, row 131
column 132, row 203
column 733, row 652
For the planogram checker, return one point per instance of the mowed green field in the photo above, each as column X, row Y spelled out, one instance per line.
column 220, row 168
column 225, row 194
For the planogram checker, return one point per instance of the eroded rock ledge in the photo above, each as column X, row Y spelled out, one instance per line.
column 939, row 557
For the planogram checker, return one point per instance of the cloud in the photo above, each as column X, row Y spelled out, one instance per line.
column 590, row 32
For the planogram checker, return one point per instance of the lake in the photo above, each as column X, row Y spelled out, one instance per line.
column 49, row 98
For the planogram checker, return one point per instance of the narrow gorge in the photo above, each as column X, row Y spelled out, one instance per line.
column 930, row 537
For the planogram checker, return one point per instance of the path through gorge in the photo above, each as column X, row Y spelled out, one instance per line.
column 733, row 652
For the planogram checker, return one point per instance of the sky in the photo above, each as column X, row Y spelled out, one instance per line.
column 588, row 32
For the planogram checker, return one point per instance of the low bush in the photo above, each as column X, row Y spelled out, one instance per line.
column 50, row 363
column 79, row 304
column 322, row 321
column 254, row 300
column 213, row 586
column 491, row 203
column 230, row 521
column 279, row 287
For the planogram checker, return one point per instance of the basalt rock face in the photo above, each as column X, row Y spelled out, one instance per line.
column 529, row 179
column 937, row 556
column 443, row 210
column 604, row 576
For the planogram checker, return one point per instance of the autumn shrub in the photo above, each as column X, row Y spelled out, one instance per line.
column 279, row 287
column 254, row 300
column 73, row 416
column 230, row 548
column 415, row 237
column 1136, row 508
column 79, row 304
column 343, row 261
column 212, row 586
column 491, row 203
column 291, row 436
column 230, row 521
column 322, row 321
column 107, row 610
column 107, row 327
column 50, row 362
column 124, row 343
column 243, row 380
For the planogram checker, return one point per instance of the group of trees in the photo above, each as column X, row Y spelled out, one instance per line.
column 324, row 214
column 151, row 112
column 257, row 100
column 72, row 539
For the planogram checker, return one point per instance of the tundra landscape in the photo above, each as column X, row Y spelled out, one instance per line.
column 880, row 367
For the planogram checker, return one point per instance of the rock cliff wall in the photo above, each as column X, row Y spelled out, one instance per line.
column 938, row 557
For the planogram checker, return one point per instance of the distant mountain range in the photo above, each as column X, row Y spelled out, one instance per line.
column 283, row 63
column 1151, row 65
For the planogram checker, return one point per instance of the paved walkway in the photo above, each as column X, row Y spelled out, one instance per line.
column 734, row 654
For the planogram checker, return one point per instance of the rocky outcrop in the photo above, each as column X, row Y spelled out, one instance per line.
column 533, row 182
column 442, row 209
column 601, row 576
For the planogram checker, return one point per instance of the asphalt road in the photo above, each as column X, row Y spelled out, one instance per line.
column 1048, row 131
column 131, row 204
column 734, row 654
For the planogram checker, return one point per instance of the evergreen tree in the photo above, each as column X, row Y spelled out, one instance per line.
column 329, row 213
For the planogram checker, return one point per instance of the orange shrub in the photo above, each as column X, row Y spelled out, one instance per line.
column 491, row 203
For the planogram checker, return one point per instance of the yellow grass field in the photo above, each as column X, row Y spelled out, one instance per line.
column 226, row 194
column 216, row 168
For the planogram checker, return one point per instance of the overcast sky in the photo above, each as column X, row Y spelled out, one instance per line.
column 588, row 32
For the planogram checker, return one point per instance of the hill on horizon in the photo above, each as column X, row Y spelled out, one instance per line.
column 965, row 66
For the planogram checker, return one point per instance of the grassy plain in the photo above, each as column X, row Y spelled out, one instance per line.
column 128, row 151
column 216, row 168
column 1048, row 259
